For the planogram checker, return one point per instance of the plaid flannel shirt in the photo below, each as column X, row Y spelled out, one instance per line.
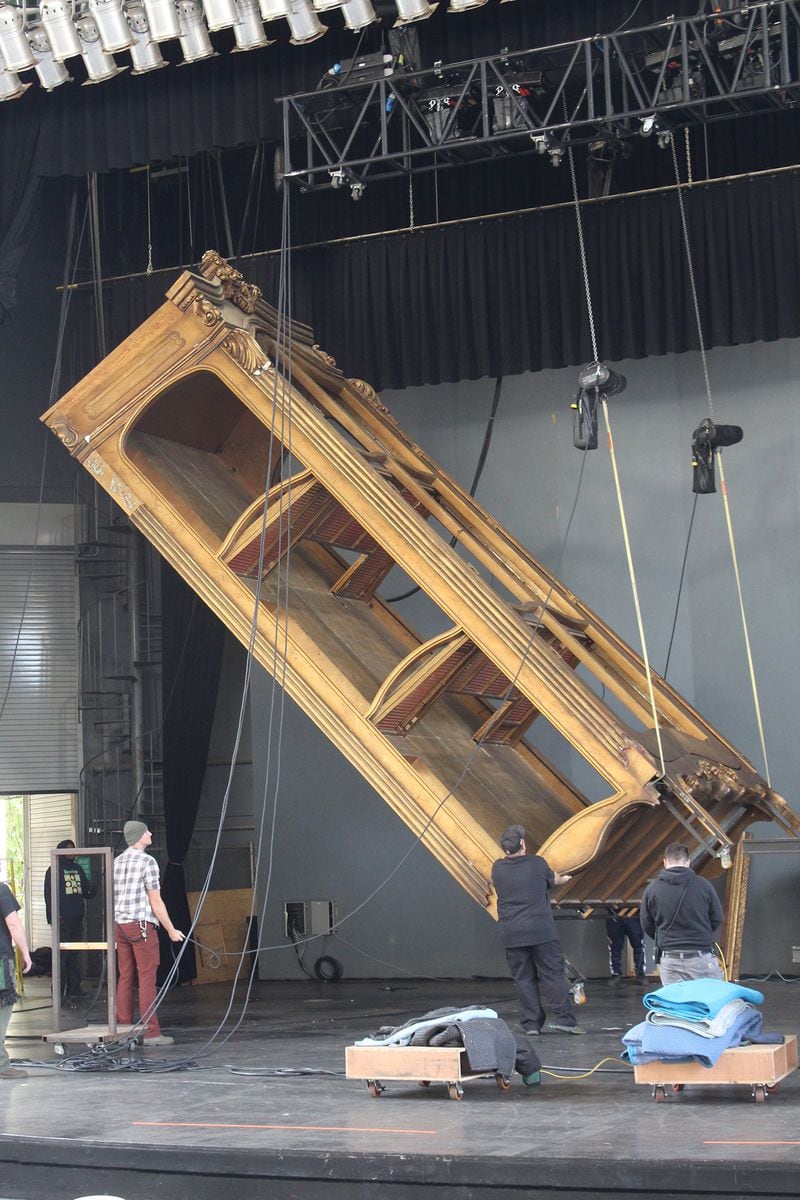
column 135, row 874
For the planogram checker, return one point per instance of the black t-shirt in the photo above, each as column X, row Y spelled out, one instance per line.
column 8, row 905
column 523, row 905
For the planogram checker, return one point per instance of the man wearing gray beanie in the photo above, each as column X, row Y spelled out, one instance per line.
column 138, row 911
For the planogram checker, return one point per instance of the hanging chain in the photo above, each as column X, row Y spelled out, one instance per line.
column 411, row 199
column 718, row 452
column 149, row 270
column 582, row 247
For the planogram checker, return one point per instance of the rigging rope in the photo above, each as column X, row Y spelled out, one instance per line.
column 612, row 454
column 679, row 186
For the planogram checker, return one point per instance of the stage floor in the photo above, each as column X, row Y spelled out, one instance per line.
column 192, row 1134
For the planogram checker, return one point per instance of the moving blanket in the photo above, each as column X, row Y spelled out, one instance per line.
column 699, row 999
column 657, row 1043
column 401, row 1035
column 718, row 1025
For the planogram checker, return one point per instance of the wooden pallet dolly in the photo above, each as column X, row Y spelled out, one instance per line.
column 423, row 1065
column 762, row 1067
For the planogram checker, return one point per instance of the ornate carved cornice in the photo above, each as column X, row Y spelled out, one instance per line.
column 101, row 470
column 244, row 295
column 64, row 431
column 245, row 350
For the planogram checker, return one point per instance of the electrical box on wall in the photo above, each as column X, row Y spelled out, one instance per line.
column 309, row 918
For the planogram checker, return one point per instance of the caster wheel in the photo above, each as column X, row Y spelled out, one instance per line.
column 456, row 1091
column 503, row 1082
column 424, row 1083
column 772, row 1087
column 374, row 1087
column 659, row 1093
column 759, row 1093
column 678, row 1087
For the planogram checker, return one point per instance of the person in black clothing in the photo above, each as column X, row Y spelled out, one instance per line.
column 12, row 933
column 619, row 926
column 522, row 883
column 74, row 890
column 683, row 915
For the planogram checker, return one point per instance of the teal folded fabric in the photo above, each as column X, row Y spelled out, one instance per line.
column 699, row 999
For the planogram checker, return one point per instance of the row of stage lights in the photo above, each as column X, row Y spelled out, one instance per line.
column 95, row 30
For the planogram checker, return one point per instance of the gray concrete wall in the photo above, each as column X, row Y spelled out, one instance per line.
column 335, row 839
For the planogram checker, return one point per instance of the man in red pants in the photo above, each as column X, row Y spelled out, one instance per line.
column 138, row 911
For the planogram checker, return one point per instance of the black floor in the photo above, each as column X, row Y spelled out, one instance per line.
column 214, row 1131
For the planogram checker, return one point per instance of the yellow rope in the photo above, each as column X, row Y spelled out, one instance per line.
column 586, row 1074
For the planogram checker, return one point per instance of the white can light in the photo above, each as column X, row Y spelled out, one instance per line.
column 14, row 46
column 358, row 14
column 145, row 54
column 195, row 42
column 249, row 30
column 220, row 14
column 61, row 33
column 114, row 30
column 11, row 86
column 465, row 5
column 271, row 10
column 99, row 64
column 325, row 5
column 51, row 73
column 162, row 17
column 304, row 22
column 414, row 10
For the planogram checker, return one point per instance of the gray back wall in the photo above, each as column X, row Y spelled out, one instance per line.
column 335, row 839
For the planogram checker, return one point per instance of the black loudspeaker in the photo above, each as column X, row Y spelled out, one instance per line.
column 707, row 438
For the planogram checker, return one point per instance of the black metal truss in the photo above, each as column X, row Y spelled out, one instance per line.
column 599, row 90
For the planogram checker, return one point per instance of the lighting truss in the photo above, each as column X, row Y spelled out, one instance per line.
column 659, row 78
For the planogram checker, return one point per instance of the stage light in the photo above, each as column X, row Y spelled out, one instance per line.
column 663, row 139
column 249, row 30
column 325, row 5
column 61, row 32
column 11, row 86
column 51, row 73
column 304, row 22
column 271, row 10
column 115, row 33
column 358, row 14
column 555, row 152
column 414, row 10
column 541, row 141
column 14, row 46
column 99, row 64
column 465, row 5
column 338, row 177
column 648, row 124
column 162, row 17
column 194, row 39
column 220, row 14
column 145, row 54
column 357, row 189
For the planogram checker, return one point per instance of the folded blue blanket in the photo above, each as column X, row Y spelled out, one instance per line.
column 647, row 1042
column 699, row 999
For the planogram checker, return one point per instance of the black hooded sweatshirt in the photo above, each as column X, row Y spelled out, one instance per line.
column 681, row 911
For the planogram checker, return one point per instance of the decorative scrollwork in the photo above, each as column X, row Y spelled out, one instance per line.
column 323, row 354
column 707, row 769
column 244, row 295
column 367, row 392
column 64, row 431
column 208, row 313
column 245, row 350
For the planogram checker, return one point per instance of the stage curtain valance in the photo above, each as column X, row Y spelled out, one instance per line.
column 504, row 296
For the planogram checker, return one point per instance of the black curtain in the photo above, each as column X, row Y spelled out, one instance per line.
column 19, row 202
column 504, row 296
column 192, row 643
column 230, row 100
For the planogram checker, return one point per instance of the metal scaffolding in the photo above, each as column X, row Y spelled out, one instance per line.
column 376, row 119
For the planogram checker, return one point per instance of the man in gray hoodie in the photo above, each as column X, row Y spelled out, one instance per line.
column 683, row 915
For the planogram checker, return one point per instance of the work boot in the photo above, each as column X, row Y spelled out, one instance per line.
column 551, row 1027
column 615, row 981
column 641, row 981
column 159, row 1039
column 13, row 1073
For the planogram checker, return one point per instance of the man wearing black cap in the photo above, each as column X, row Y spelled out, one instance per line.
column 522, row 883
column 138, row 911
